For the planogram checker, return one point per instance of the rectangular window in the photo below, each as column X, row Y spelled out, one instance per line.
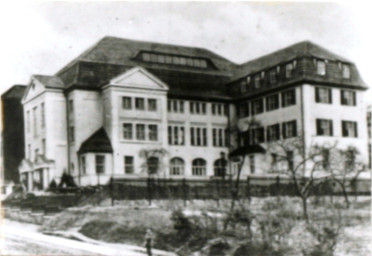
column 227, row 138
column 42, row 115
column 198, row 136
column 289, row 70
column 323, row 95
column 324, row 127
column 127, row 131
column 257, row 106
column 273, row 132
column 100, row 164
column 192, row 136
column 146, row 57
column 176, row 135
column 345, row 71
column 153, row 132
column 348, row 98
column 28, row 120
column 320, row 68
column 127, row 102
column 219, row 137
column 252, row 165
column 257, row 81
column 151, row 104
column 289, row 129
column 128, row 164
column 289, row 98
column 140, row 104
column 83, row 165
column 198, row 108
column 272, row 76
column 34, row 112
column 244, row 109
column 72, row 134
column 140, row 131
column 272, row 102
column 243, row 86
column 349, row 129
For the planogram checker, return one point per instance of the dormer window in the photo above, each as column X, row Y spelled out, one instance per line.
column 320, row 68
column 163, row 58
column 257, row 81
column 243, row 86
column 345, row 71
column 289, row 70
column 272, row 76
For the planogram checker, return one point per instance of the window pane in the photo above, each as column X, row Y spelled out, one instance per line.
column 151, row 104
column 140, row 131
column 127, row 102
column 140, row 104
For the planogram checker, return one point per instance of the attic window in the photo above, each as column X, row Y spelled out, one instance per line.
column 345, row 71
column 320, row 68
column 173, row 59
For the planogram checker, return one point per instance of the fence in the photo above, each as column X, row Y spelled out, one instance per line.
column 217, row 188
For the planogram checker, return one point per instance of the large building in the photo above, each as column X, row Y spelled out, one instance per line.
column 115, row 109
column 12, row 133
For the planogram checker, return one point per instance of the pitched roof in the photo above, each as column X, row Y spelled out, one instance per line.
column 120, row 51
column 98, row 142
column 301, row 49
column 50, row 81
column 16, row 91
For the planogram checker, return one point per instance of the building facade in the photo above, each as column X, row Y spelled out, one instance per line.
column 131, row 109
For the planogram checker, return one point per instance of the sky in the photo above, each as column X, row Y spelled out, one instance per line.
column 42, row 37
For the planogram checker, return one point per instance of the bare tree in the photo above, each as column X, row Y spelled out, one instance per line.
column 303, row 166
column 239, row 156
column 345, row 168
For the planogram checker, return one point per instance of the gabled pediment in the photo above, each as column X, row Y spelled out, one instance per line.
column 35, row 87
column 138, row 77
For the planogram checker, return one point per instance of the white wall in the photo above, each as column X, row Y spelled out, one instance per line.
column 337, row 113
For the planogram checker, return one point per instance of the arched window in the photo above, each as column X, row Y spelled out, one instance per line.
column 199, row 167
column 220, row 167
column 153, row 165
column 177, row 166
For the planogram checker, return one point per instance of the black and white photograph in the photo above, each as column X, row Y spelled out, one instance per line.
column 185, row 128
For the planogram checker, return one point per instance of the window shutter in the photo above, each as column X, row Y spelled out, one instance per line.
column 331, row 127
column 277, row 127
column 344, row 133
column 354, row 98
column 330, row 95
column 317, row 94
column 356, row 129
column 284, row 130
column 294, row 128
column 318, row 128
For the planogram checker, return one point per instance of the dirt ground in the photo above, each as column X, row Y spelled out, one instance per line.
column 127, row 221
